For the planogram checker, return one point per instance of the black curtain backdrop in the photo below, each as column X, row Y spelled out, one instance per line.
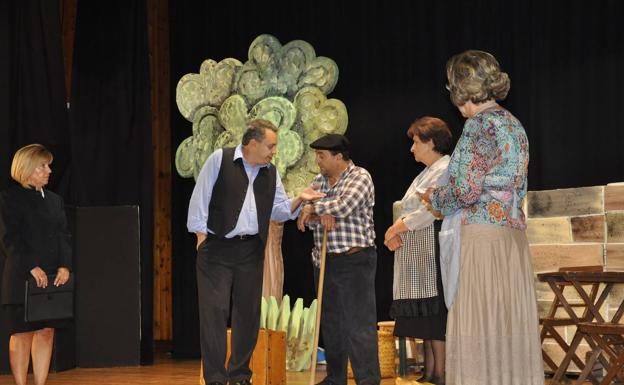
column 565, row 60
column 111, row 127
column 32, row 89
column 102, row 145
column 32, row 96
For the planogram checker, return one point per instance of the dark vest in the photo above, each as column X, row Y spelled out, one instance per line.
column 228, row 196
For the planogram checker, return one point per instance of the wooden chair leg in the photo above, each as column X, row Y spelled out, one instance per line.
column 588, row 366
column 551, row 364
column 550, row 332
column 613, row 371
column 402, row 357
column 570, row 354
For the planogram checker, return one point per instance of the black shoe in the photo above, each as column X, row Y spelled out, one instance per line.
column 325, row 382
column 437, row 381
column 245, row 381
column 215, row 383
column 425, row 379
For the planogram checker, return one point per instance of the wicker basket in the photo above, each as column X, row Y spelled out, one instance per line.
column 387, row 354
column 386, row 326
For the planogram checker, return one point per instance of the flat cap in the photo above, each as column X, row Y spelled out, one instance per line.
column 332, row 142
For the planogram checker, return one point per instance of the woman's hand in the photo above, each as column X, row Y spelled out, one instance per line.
column 62, row 276
column 425, row 199
column 426, row 196
column 393, row 243
column 40, row 277
column 397, row 228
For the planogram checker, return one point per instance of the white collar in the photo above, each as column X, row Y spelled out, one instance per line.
column 440, row 163
column 238, row 153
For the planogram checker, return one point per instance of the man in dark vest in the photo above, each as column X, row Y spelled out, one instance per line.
column 237, row 193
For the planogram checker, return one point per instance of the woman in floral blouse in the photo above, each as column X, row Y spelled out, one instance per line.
column 492, row 331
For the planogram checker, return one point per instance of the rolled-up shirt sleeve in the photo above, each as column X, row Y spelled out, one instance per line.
column 418, row 219
column 200, row 199
column 358, row 190
column 282, row 204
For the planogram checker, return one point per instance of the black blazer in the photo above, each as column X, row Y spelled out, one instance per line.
column 33, row 232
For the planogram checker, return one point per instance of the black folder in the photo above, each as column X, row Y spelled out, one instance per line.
column 49, row 303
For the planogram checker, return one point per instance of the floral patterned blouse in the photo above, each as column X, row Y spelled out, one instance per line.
column 488, row 171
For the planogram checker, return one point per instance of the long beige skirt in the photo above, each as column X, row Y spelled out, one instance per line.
column 492, row 335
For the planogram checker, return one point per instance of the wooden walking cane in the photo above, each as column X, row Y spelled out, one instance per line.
column 319, row 296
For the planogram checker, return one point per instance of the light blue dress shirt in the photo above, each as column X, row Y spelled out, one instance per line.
column 248, row 218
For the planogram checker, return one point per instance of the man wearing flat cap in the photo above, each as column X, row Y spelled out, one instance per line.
column 349, row 315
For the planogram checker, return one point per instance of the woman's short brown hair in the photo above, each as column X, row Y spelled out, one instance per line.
column 475, row 76
column 26, row 159
column 429, row 128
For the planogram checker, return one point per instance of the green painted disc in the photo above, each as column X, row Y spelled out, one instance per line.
column 185, row 157
column 279, row 111
column 233, row 114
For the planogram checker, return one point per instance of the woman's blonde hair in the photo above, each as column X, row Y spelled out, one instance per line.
column 26, row 159
column 475, row 76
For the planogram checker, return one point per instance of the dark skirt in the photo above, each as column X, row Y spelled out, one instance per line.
column 427, row 326
column 431, row 327
column 14, row 320
column 423, row 318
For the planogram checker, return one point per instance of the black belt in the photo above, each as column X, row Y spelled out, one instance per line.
column 238, row 237
column 352, row 250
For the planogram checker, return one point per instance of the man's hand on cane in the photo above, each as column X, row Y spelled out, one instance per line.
column 306, row 215
column 328, row 222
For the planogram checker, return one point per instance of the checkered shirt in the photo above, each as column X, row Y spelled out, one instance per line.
column 350, row 201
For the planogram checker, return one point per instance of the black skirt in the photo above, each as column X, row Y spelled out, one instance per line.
column 14, row 320
column 431, row 326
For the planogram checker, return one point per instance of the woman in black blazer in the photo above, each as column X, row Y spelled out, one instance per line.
column 35, row 241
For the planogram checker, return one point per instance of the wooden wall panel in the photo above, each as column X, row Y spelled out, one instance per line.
column 590, row 228
column 565, row 202
column 158, row 34
column 615, row 226
column 614, row 197
column 549, row 230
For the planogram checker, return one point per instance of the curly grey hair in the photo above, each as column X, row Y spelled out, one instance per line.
column 475, row 76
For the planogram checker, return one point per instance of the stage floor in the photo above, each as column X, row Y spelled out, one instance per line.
column 164, row 371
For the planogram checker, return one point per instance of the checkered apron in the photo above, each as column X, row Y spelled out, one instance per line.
column 415, row 273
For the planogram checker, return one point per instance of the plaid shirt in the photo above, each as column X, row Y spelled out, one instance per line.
column 350, row 201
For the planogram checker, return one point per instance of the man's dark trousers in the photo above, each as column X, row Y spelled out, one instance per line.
column 349, row 317
column 229, row 269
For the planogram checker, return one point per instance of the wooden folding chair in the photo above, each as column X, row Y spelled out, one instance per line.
column 551, row 321
column 609, row 342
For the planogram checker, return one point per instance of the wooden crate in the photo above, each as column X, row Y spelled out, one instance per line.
column 268, row 361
